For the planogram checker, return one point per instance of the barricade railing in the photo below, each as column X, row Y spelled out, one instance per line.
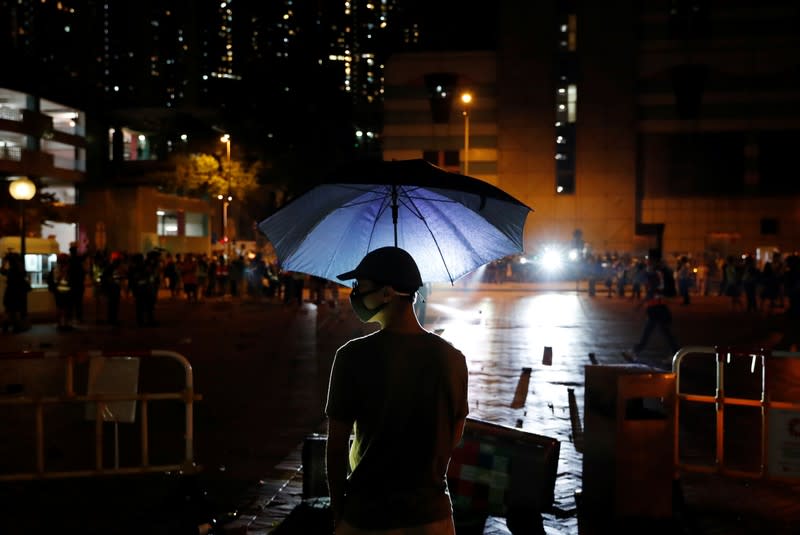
column 112, row 395
column 765, row 396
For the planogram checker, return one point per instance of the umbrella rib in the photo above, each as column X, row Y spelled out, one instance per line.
column 381, row 210
column 435, row 241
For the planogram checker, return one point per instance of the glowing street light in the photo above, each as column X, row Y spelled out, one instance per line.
column 227, row 140
column 22, row 189
column 466, row 100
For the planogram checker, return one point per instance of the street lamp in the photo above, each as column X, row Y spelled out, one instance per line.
column 227, row 140
column 466, row 100
column 22, row 189
column 226, row 199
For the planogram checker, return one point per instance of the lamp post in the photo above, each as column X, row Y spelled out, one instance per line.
column 22, row 189
column 226, row 199
column 466, row 100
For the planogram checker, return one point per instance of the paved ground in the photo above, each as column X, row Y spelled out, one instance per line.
column 262, row 370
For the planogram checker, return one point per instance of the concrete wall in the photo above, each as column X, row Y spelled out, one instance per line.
column 129, row 217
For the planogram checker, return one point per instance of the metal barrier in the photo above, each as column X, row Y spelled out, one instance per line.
column 104, row 404
column 771, row 389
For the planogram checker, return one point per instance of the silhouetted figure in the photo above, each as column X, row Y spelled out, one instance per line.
column 15, row 297
column 77, row 284
column 58, row 285
column 402, row 393
column 111, row 282
column 684, row 279
column 658, row 314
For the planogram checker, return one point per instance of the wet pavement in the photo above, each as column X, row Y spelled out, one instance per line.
column 262, row 368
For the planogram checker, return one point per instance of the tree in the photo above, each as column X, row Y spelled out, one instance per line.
column 205, row 175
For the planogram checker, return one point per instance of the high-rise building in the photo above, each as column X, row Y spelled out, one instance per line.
column 271, row 67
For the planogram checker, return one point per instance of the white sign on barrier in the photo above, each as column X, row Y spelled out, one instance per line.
column 115, row 376
column 784, row 443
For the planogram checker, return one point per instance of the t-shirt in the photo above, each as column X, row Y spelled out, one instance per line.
column 405, row 393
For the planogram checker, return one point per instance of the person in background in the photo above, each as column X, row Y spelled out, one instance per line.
column 685, row 277
column 78, row 267
column 15, row 296
column 222, row 273
column 701, row 278
column 733, row 281
column 111, row 282
column 403, row 391
column 638, row 280
column 188, row 275
column 769, row 288
column 58, row 284
column 751, row 278
column 236, row 271
column 657, row 311
column 202, row 278
column 172, row 274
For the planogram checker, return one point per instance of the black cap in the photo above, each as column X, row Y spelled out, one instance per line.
column 388, row 265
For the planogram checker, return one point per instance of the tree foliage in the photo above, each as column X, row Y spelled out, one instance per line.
column 204, row 174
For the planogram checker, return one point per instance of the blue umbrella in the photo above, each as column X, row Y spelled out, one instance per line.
column 450, row 223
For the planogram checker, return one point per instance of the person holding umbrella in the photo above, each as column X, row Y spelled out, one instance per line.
column 402, row 392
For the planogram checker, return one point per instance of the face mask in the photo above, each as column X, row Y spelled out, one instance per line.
column 357, row 302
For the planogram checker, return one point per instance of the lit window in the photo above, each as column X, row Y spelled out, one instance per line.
column 572, row 22
column 196, row 225
column 167, row 223
column 572, row 103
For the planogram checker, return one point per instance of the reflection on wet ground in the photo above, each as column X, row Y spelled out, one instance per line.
column 504, row 333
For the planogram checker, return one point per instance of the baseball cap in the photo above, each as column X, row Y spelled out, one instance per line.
column 388, row 265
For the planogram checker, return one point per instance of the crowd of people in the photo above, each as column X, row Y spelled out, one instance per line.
column 754, row 286
column 770, row 285
column 113, row 277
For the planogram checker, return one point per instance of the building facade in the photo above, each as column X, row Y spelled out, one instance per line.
column 47, row 142
column 644, row 126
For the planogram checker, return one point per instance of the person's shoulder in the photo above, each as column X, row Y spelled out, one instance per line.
column 438, row 338
column 360, row 342
column 446, row 346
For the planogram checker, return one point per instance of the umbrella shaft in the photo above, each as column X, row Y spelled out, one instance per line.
column 394, row 212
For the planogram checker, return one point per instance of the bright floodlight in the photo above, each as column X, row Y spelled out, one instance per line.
column 551, row 260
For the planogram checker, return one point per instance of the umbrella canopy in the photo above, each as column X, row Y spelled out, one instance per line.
column 450, row 223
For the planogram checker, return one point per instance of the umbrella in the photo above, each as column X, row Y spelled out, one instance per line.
column 451, row 224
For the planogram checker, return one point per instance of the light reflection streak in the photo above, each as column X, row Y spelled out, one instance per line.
column 500, row 336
